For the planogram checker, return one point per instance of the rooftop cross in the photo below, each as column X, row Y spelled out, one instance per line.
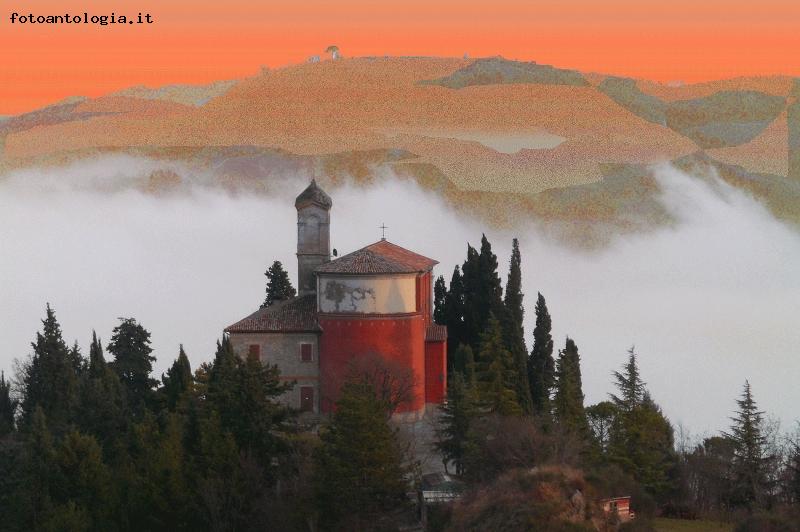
column 383, row 229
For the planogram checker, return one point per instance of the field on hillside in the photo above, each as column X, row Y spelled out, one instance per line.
column 685, row 525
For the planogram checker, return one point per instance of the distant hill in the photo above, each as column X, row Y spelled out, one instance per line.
column 478, row 129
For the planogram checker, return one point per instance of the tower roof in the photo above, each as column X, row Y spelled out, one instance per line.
column 380, row 257
column 313, row 194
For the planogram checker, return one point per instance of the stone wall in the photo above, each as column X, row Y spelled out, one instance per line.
column 283, row 349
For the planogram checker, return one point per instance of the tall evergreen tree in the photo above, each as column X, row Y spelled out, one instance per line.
column 454, row 317
column 750, row 459
column 360, row 474
column 541, row 366
column 457, row 412
column 513, row 329
column 631, row 388
column 793, row 473
column 178, row 379
column 279, row 286
column 568, row 398
column 8, row 406
column 103, row 403
column 439, row 301
column 496, row 373
column 133, row 362
column 48, row 378
column 471, row 286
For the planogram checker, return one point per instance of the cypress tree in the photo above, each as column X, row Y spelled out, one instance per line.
column 133, row 363
column 513, row 328
column 8, row 406
column 793, row 471
column 541, row 366
column 178, row 379
column 360, row 477
column 568, row 398
column 439, row 301
column 496, row 373
column 490, row 293
column 279, row 286
column 103, row 404
column 750, row 460
column 471, row 285
column 457, row 413
column 48, row 378
column 454, row 317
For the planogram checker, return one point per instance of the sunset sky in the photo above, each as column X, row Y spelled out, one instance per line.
column 201, row 41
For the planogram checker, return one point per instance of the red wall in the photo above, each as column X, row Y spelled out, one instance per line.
column 398, row 339
column 435, row 372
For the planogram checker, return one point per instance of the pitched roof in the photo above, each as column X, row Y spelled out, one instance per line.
column 380, row 257
column 313, row 194
column 436, row 333
column 298, row 314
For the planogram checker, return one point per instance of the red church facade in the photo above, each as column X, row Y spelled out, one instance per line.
column 369, row 307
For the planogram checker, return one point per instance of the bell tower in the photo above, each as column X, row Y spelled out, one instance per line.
column 313, row 235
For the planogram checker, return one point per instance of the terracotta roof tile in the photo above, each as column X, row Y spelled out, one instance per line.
column 436, row 333
column 380, row 257
column 298, row 314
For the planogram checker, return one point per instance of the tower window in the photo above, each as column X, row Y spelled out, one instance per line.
column 305, row 353
column 254, row 352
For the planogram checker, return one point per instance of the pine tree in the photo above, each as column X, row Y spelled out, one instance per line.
column 439, row 301
column 8, row 406
column 457, row 412
column 360, row 477
column 279, row 286
column 496, row 373
column 48, row 378
column 750, row 460
column 568, row 408
column 630, row 385
column 178, row 379
column 133, row 363
column 541, row 366
column 513, row 329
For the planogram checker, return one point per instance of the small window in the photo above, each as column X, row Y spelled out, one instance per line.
column 307, row 398
column 254, row 353
column 305, row 353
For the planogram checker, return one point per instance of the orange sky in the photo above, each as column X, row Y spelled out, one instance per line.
column 202, row 40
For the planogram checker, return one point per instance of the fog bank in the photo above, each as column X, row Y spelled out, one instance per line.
column 709, row 302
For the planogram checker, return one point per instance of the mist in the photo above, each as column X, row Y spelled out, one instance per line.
column 708, row 302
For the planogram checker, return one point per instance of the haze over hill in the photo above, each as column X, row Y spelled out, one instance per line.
column 559, row 145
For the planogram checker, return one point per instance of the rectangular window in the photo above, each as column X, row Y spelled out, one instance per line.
column 254, row 353
column 307, row 398
column 305, row 353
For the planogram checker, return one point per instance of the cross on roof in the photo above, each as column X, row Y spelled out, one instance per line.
column 383, row 229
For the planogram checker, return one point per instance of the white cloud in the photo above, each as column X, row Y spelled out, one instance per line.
column 709, row 302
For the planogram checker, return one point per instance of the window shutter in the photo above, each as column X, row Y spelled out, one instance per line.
column 255, row 352
column 305, row 352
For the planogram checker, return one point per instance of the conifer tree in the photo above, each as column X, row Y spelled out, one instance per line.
column 541, row 366
column 471, row 285
column 513, row 328
column 279, row 286
column 454, row 317
column 496, row 373
column 457, row 413
column 48, row 378
column 133, row 362
column 490, row 293
column 8, row 406
column 750, row 460
column 439, row 301
column 178, row 379
column 103, row 402
column 568, row 408
column 360, row 477
column 630, row 385
column 793, row 473
column 461, row 360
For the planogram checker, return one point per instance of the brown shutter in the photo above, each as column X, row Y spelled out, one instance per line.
column 255, row 352
column 307, row 398
column 305, row 352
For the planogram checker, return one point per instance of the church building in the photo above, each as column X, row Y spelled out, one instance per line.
column 375, row 302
